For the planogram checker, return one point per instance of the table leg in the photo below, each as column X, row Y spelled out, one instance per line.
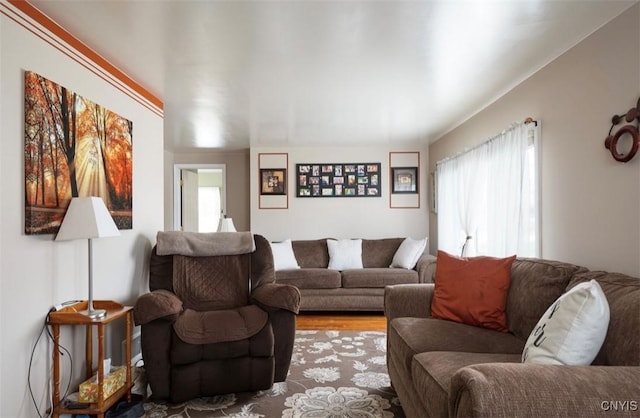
column 88, row 352
column 129, row 331
column 100, row 365
column 56, row 368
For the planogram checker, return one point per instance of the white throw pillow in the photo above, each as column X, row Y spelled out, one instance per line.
column 408, row 253
column 345, row 254
column 283, row 256
column 572, row 330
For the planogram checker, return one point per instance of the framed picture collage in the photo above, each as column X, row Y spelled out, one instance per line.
column 338, row 180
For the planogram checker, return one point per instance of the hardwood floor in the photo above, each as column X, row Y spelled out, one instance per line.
column 356, row 321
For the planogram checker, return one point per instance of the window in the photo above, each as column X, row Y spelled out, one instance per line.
column 488, row 200
column 208, row 208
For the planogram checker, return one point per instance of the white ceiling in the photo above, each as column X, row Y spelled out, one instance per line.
column 286, row 73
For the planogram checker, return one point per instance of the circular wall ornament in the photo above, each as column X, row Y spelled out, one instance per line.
column 611, row 142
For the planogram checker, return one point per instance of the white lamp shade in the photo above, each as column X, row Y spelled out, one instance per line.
column 226, row 225
column 87, row 217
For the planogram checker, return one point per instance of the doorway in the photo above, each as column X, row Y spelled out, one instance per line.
column 199, row 196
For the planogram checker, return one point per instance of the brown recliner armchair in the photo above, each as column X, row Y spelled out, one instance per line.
column 215, row 321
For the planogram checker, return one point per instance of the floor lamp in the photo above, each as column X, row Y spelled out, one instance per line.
column 88, row 218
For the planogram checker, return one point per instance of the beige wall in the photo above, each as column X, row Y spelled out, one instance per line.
column 237, row 165
column 37, row 272
column 349, row 217
column 590, row 203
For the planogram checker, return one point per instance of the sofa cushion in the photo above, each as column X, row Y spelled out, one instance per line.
column 546, row 279
column 432, row 371
column 408, row 253
column 283, row 256
column 379, row 252
column 355, row 299
column 472, row 290
column 260, row 344
column 221, row 325
column 345, row 254
column 311, row 253
column 620, row 347
column 377, row 277
column 410, row 336
column 310, row 278
column 572, row 330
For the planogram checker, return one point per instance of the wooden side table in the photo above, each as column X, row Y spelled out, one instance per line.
column 72, row 315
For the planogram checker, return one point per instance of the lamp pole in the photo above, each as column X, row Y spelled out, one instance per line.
column 93, row 313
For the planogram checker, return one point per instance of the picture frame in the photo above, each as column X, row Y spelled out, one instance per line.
column 338, row 180
column 52, row 162
column 404, row 180
column 273, row 181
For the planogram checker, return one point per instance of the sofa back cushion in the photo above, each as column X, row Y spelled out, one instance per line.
column 262, row 269
column 209, row 283
column 262, row 265
column 311, row 253
column 160, row 271
column 620, row 347
column 535, row 285
column 378, row 253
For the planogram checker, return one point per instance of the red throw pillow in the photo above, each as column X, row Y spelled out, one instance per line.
column 472, row 290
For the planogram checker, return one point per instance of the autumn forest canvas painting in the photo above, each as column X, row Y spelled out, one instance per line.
column 73, row 147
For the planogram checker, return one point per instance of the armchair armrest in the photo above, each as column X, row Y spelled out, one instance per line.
column 155, row 305
column 426, row 268
column 518, row 390
column 273, row 296
column 412, row 300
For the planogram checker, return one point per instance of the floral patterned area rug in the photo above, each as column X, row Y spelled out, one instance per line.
column 333, row 374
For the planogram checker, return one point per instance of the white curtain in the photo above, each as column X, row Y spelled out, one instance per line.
column 488, row 197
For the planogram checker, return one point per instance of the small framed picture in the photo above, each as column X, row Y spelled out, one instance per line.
column 273, row 181
column 404, row 180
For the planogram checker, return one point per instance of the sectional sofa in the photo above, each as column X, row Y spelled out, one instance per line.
column 445, row 368
column 351, row 289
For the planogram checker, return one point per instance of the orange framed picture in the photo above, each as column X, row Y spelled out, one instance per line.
column 73, row 147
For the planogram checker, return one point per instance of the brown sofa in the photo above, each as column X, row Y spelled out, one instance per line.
column 323, row 289
column 441, row 368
